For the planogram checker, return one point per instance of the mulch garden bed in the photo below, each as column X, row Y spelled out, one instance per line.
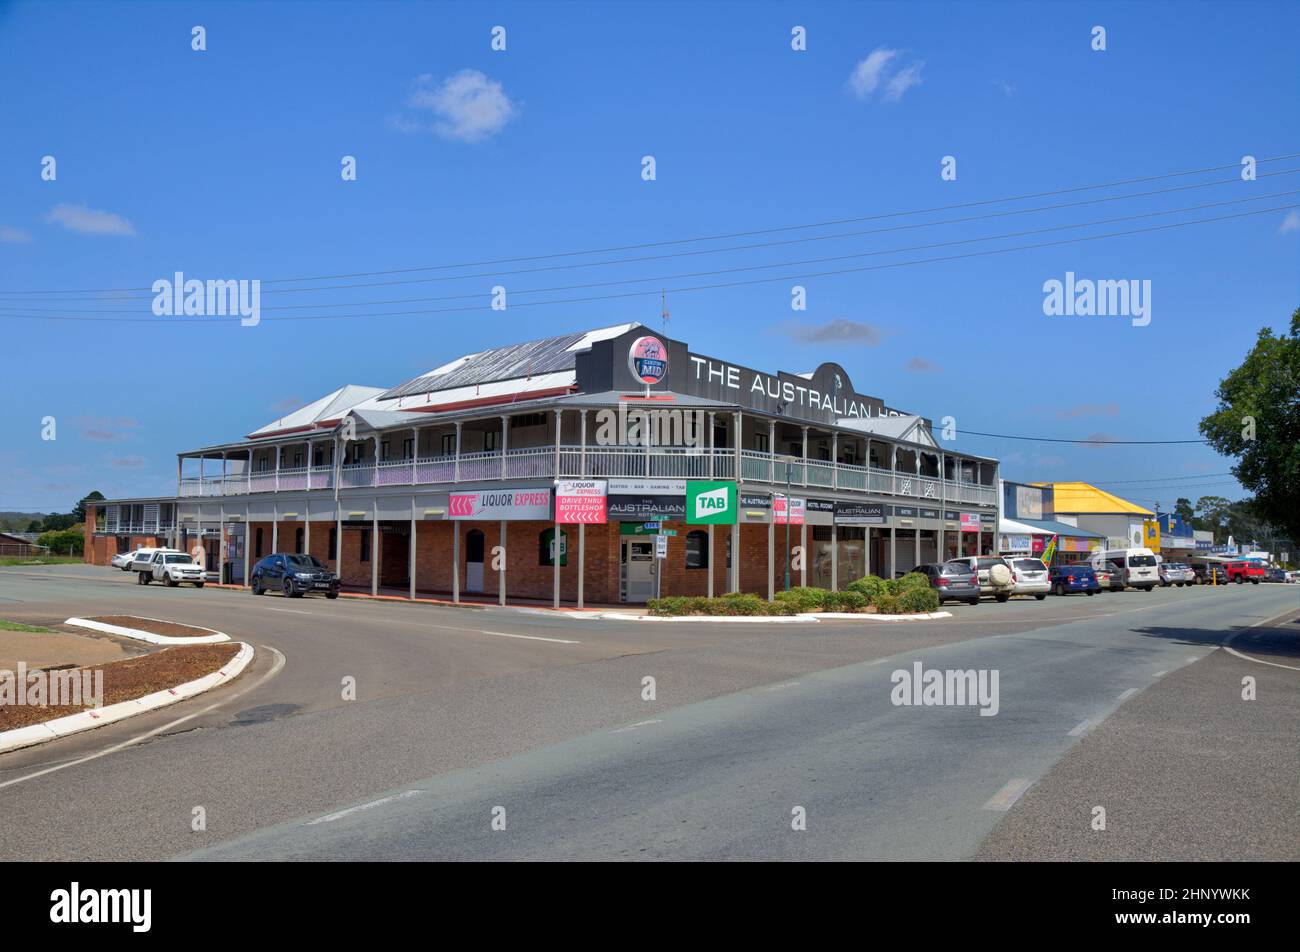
column 132, row 678
column 153, row 627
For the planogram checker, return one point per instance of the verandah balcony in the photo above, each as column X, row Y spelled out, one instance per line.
column 540, row 462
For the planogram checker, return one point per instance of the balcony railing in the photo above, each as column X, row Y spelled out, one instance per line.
column 539, row 462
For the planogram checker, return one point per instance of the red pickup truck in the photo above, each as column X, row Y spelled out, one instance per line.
column 1239, row 572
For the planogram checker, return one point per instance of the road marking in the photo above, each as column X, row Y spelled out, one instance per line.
column 778, row 687
column 291, row 611
column 507, row 634
column 1006, row 798
column 1085, row 725
column 405, row 794
column 275, row 669
column 1159, row 674
column 1128, row 694
column 1227, row 645
column 632, row 727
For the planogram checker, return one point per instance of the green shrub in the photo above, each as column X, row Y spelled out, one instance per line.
column 887, row 604
column 806, row 599
column 915, row 600
column 743, row 604
column 872, row 586
column 850, row 601
column 671, row 605
column 916, row 580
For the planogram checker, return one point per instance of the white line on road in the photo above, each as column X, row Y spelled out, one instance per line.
column 778, row 687
column 291, row 611
column 275, row 669
column 632, row 727
column 405, row 794
column 1006, row 798
column 1084, row 726
column 1227, row 645
column 506, row 634
column 1159, row 674
column 1128, row 694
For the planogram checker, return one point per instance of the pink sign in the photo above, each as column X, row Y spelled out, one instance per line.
column 970, row 522
column 581, row 501
column 647, row 358
column 796, row 511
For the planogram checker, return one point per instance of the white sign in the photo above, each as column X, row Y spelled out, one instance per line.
column 501, row 504
column 647, row 487
column 661, row 547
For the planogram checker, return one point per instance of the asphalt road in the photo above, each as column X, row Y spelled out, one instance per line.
column 460, row 711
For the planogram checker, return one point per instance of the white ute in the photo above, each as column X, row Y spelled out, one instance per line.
column 170, row 566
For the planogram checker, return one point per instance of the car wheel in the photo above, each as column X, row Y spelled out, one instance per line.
column 257, row 586
column 1254, row 581
column 171, row 582
column 1089, row 594
column 198, row 584
column 331, row 594
column 1040, row 596
column 145, row 578
column 288, row 589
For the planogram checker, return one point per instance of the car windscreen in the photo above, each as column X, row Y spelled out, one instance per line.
column 955, row 568
column 175, row 559
column 989, row 563
column 304, row 562
column 1030, row 565
column 1079, row 567
column 1141, row 560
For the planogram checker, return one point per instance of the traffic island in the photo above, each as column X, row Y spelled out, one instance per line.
column 153, row 630
column 41, row 705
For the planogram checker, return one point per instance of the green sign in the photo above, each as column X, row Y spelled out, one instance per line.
column 546, row 555
column 710, row 501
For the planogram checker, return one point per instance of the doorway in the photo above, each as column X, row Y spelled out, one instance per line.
column 474, row 561
column 636, row 570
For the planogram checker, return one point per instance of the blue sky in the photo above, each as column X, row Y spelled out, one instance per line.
column 225, row 163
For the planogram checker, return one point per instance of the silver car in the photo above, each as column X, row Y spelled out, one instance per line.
column 1176, row 573
column 1028, row 576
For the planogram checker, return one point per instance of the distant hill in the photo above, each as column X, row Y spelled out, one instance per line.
column 19, row 521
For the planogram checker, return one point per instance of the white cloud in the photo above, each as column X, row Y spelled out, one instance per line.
column 88, row 221
column 13, row 235
column 1290, row 223
column 902, row 81
column 468, row 105
column 879, row 69
column 866, row 77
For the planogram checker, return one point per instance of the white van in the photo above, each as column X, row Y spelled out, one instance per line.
column 1139, row 568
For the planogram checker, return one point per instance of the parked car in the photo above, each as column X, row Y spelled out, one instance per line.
column 1176, row 573
column 1293, row 576
column 294, row 575
column 953, row 581
column 1138, row 567
column 1079, row 577
column 1028, row 577
column 123, row 560
column 170, row 566
column 1109, row 576
column 992, row 571
column 1274, row 575
column 1210, row 573
column 1245, row 571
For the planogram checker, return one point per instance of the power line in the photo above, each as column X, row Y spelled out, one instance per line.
column 696, row 274
column 700, row 287
column 1160, row 479
column 1092, row 442
column 717, row 237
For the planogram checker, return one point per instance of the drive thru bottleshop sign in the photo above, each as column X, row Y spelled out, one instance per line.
column 580, row 501
column 620, row 364
column 501, row 504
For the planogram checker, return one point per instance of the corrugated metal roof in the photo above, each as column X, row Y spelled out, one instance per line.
column 531, row 358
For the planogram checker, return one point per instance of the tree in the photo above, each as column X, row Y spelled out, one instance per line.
column 1183, row 509
column 35, row 526
column 80, row 509
column 1258, row 421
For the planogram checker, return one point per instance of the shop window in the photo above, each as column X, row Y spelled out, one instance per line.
column 297, row 541
column 257, row 544
column 697, row 550
column 365, row 545
column 334, row 542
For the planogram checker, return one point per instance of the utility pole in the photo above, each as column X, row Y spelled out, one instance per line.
column 663, row 313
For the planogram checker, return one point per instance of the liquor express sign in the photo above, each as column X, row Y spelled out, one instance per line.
column 509, row 505
column 581, row 501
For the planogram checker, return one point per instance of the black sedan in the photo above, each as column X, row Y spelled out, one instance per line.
column 294, row 575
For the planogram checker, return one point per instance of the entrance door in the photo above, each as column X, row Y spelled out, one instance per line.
column 637, row 569
column 474, row 561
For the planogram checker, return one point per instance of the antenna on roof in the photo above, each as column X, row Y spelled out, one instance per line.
column 663, row 298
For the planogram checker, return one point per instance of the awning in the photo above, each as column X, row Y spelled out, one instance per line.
column 1049, row 527
column 1012, row 527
